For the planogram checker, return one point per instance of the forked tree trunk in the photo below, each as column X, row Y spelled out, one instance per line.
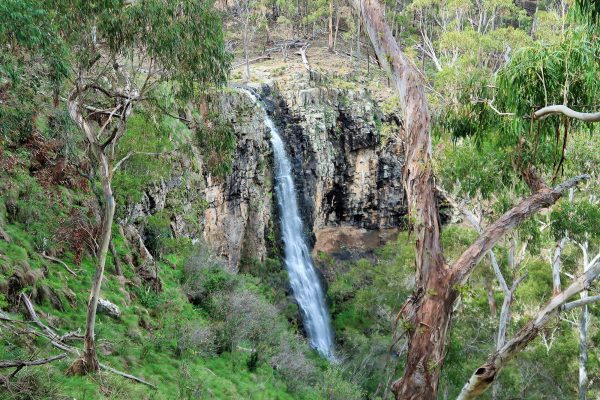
column 428, row 311
column 89, row 361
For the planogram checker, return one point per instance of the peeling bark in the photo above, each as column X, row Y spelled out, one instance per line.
column 428, row 311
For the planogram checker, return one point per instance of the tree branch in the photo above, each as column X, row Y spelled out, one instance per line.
column 33, row 315
column 581, row 302
column 56, row 260
column 485, row 375
column 564, row 110
column 130, row 154
column 128, row 376
column 462, row 268
column 23, row 363
column 302, row 53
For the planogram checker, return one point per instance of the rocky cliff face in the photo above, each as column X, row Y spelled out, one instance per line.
column 230, row 213
column 348, row 176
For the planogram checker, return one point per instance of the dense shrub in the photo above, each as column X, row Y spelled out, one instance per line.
column 205, row 275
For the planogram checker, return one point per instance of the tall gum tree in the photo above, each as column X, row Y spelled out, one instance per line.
column 428, row 311
column 120, row 53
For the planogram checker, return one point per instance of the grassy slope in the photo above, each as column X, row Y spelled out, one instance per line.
column 145, row 353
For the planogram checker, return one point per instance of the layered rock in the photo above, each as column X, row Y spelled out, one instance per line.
column 239, row 208
column 231, row 213
column 348, row 175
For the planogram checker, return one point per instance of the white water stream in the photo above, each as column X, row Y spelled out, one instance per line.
column 304, row 280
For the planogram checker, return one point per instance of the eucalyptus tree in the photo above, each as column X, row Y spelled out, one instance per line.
column 250, row 16
column 119, row 53
column 428, row 311
column 578, row 221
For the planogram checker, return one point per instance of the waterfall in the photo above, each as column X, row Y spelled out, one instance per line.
column 305, row 283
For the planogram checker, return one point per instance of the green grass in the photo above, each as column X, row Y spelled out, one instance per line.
column 145, row 353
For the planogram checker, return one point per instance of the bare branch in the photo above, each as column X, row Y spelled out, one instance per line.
column 128, row 376
column 252, row 61
column 34, row 317
column 133, row 153
column 581, row 302
column 56, row 260
column 302, row 53
column 527, row 207
column 564, row 110
column 23, row 363
column 485, row 375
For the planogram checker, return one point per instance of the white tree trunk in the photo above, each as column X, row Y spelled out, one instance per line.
column 90, row 360
column 556, row 262
column 485, row 375
column 583, row 334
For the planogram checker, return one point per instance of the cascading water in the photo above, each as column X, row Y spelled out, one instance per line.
column 304, row 281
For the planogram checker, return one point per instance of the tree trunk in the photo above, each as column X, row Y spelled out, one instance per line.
column 89, row 361
column 337, row 27
column 358, row 23
column 556, row 257
column 246, row 41
column 556, row 265
column 491, row 299
column 583, row 350
column 89, row 357
column 330, row 41
column 583, row 334
column 428, row 311
column 427, row 341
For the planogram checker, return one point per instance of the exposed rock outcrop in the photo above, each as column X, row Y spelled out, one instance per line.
column 239, row 208
column 108, row 308
column 348, row 175
column 347, row 172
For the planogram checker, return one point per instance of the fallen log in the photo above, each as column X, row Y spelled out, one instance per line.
column 128, row 376
column 56, row 260
column 252, row 61
column 24, row 363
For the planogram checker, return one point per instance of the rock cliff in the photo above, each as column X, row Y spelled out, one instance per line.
column 347, row 172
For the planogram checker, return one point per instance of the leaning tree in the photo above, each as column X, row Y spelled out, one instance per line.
column 428, row 311
column 121, row 53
